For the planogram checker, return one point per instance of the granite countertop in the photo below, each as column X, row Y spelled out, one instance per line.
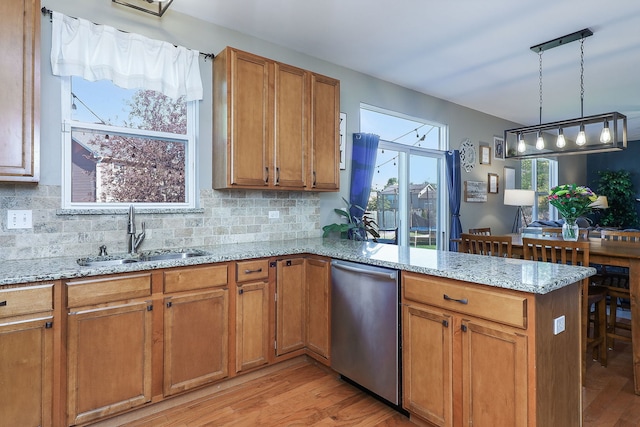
column 527, row 276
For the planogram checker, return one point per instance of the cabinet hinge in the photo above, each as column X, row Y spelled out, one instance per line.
column 169, row 304
column 463, row 328
column 273, row 264
column 445, row 323
column 275, row 344
column 48, row 325
column 150, row 308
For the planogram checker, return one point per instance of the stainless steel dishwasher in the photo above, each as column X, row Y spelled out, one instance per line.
column 365, row 327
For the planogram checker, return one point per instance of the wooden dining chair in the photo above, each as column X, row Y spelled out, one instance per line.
column 583, row 233
column 485, row 231
column 480, row 244
column 616, row 280
column 620, row 236
column 577, row 253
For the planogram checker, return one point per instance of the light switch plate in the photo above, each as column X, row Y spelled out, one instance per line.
column 558, row 325
column 19, row 219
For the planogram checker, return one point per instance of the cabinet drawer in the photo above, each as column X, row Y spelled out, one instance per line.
column 186, row 279
column 26, row 300
column 252, row 270
column 466, row 298
column 97, row 291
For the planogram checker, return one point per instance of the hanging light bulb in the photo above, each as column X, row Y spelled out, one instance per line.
column 582, row 138
column 560, row 142
column 540, row 141
column 522, row 147
column 605, row 135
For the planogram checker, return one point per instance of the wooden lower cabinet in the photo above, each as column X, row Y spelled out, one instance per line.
column 474, row 355
column 196, row 327
column 317, row 307
column 252, row 318
column 195, row 340
column 109, row 359
column 290, row 305
column 109, row 346
column 26, row 373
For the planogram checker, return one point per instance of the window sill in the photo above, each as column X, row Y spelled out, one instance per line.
column 125, row 211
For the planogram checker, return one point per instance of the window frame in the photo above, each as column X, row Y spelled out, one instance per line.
column 190, row 140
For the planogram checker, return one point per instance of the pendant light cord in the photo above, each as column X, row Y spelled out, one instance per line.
column 540, row 78
column 582, row 77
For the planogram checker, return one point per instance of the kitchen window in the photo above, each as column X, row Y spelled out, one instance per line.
column 124, row 146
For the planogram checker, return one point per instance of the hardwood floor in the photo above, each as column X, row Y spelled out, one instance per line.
column 608, row 397
column 305, row 394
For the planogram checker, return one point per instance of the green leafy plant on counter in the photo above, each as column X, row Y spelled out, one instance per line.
column 618, row 188
column 354, row 228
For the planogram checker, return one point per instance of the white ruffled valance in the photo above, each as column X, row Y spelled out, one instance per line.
column 131, row 61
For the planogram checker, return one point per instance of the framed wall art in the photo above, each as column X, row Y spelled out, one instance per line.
column 498, row 148
column 494, row 182
column 485, row 155
column 475, row 191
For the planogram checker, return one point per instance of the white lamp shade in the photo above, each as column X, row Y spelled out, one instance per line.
column 513, row 197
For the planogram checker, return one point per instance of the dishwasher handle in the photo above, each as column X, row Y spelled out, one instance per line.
column 391, row 274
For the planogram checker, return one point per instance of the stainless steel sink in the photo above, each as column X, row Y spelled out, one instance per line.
column 157, row 255
column 100, row 262
column 171, row 255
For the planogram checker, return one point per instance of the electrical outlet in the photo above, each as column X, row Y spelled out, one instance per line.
column 274, row 214
column 19, row 219
column 558, row 325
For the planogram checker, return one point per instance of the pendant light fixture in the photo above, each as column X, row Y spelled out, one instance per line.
column 154, row 7
column 611, row 127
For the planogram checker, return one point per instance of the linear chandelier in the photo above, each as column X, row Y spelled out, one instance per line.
column 592, row 134
column 154, row 7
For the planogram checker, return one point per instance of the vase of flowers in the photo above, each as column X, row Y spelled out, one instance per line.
column 572, row 201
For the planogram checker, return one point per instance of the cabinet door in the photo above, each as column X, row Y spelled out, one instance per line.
column 20, row 94
column 252, row 325
column 195, row 340
column 26, row 373
column 290, row 299
column 251, row 120
column 325, row 133
column 291, row 134
column 318, row 310
column 494, row 369
column 109, row 360
column 428, row 354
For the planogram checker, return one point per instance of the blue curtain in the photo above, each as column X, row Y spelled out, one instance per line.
column 363, row 162
column 453, row 181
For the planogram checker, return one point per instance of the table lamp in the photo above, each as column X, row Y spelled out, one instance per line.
column 519, row 198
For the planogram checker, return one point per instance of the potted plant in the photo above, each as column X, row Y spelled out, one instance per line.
column 618, row 188
column 354, row 228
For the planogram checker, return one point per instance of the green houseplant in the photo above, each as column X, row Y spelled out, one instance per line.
column 354, row 228
column 618, row 188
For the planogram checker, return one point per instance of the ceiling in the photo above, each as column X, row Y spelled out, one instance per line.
column 470, row 52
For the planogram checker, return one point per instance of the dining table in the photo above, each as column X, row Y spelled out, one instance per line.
column 616, row 253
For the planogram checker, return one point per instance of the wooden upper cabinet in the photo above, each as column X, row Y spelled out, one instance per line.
column 20, row 94
column 291, row 129
column 266, row 121
column 325, row 133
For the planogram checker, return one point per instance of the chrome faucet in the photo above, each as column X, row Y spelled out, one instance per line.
column 133, row 241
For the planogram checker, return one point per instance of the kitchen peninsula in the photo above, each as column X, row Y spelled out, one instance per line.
column 478, row 332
